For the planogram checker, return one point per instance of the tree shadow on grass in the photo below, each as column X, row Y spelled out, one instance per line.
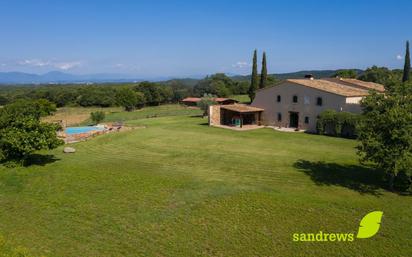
column 39, row 160
column 356, row 177
column 196, row 116
column 14, row 180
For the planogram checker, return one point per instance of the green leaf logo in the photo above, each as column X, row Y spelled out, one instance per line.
column 370, row 224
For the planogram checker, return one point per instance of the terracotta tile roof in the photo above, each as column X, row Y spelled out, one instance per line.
column 191, row 99
column 241, row 108
column 219, row 99
column 216, row 99
column 364, row 84
column 331, row 87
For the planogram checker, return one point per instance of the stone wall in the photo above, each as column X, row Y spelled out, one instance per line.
column 214, row 115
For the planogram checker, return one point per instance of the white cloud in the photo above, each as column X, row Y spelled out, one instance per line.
column 34, row 62
column 50, row 63
column 67, row 65
column 399, row 57
column 241, row 65
column 127, row 67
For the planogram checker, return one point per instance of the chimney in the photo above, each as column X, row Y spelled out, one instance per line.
column 309, row 76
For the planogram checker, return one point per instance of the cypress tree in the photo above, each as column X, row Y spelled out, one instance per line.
column 254, row 80
column 407, row 67
column 264, row 73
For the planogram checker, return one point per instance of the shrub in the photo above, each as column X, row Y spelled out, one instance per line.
column 340, row 124
column 97, row 117
column 207, row 100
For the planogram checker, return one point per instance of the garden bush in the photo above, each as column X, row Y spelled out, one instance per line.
column 339, row 124
column 97, row 117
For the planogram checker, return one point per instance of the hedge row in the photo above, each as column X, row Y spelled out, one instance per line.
column 339, row 124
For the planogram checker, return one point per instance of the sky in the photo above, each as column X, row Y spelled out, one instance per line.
column 193, row 38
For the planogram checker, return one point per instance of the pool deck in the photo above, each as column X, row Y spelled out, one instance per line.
column 80, row 137
column 83, row 136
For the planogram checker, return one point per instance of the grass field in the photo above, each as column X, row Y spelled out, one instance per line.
column 75, row 116
column 241, row 98
column 181, row 188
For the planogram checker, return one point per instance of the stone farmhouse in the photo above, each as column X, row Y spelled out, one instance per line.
column 295, row 103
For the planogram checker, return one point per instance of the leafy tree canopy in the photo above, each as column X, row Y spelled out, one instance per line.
column 385, row 132
column 220, row 85
column 351, row 74
column 129, row 99
column 154, row 93
column 22, row 132
column 381, row 75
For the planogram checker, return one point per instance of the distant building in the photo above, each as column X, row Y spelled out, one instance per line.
column 224, row 101
column 192, row 101
column 296, row 103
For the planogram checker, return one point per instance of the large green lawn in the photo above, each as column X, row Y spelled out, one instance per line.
column 181, row 188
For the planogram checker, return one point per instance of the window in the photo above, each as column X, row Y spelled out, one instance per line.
column 279, row 116
column 295, row 98
column 319, row 101
column 279, row 98
column 306, row 99
column 306, row 119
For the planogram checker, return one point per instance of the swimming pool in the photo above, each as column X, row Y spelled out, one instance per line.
column 79, row 130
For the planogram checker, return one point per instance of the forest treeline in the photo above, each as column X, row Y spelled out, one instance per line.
column 151, row 93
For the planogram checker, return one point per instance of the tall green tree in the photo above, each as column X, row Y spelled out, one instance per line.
column 385, row 131
column 254, row 79
column 264, row 73
column 407, row 67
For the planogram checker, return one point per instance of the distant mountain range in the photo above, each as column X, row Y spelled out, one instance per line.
column 61, row 77
column 57, row 77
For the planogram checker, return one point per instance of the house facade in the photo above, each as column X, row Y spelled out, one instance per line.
column 296, row 103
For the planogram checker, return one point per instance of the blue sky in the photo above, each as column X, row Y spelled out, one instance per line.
column 190, row 38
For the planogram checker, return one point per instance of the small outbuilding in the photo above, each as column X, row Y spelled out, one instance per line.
column 235, row 115
column 224, row 101
column 191, row 101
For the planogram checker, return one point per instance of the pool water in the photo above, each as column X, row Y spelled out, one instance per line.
column 79, row 130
